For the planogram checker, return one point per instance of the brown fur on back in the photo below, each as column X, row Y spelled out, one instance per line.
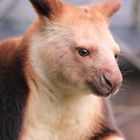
column 8, row 49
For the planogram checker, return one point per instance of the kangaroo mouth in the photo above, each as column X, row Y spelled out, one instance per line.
column 97, row 91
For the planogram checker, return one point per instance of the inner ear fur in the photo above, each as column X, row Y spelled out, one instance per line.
column 47, row 8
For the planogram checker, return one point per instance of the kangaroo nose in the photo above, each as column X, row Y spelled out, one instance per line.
column 112, row 81
column 107, row 81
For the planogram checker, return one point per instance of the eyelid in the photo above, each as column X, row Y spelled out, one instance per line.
column 78, row 48
column 92, row 50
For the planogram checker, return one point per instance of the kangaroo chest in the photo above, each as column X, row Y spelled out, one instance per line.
column 69, row 122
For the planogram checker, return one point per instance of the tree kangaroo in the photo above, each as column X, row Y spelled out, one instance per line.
column 54, row 80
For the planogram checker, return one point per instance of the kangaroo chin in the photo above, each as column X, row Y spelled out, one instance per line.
column 54, row 78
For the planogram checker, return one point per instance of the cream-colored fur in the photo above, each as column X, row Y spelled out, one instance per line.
column 68, row 118
column 61, row 104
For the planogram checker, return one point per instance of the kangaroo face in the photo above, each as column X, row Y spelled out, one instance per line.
column 74, row 47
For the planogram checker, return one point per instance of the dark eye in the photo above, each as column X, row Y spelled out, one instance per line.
column 83, row 52
column 116, row 56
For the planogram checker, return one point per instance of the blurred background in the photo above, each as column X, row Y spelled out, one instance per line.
column 17, row 15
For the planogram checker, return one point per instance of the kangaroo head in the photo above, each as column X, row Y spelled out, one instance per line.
column 73, row 47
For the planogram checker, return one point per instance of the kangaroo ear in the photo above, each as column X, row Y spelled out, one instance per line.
column 47, row 8
column 111, row 7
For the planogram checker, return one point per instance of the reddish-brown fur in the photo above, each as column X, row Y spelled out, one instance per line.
column 60, row 81
column 9, row 50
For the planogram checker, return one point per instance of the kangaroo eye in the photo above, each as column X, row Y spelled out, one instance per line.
column 116, row 56
column 83, row 52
